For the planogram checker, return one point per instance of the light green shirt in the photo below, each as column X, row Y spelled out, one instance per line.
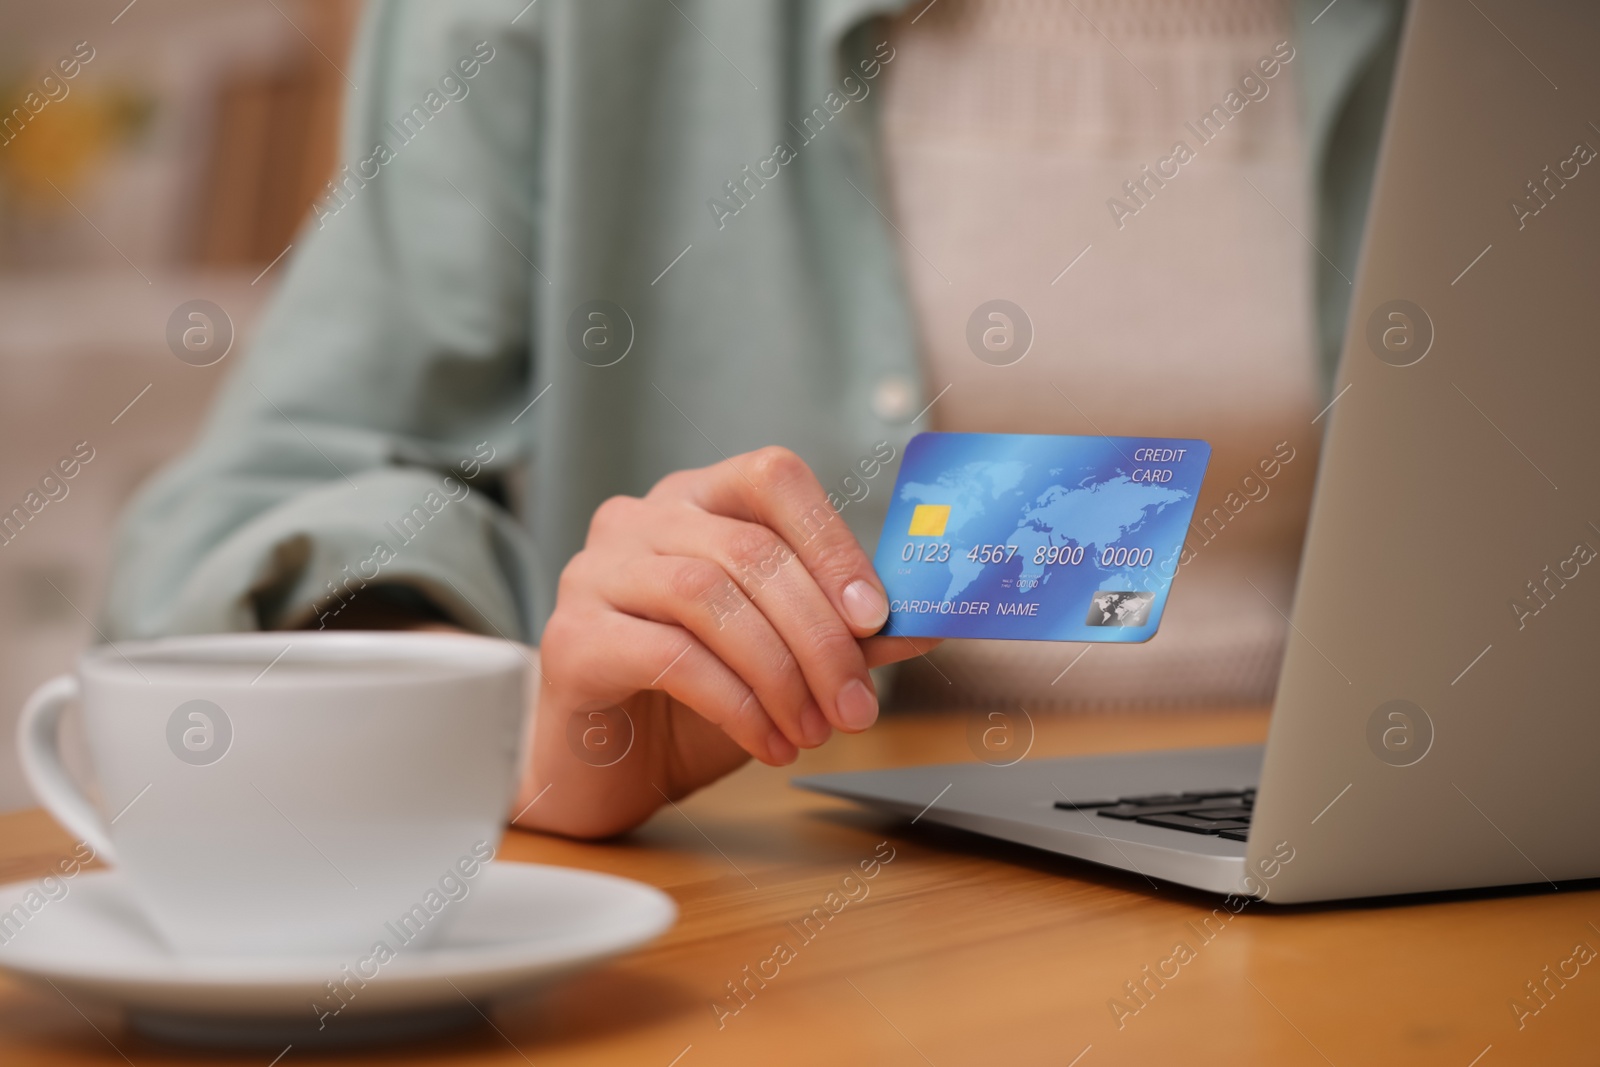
column 414, row 411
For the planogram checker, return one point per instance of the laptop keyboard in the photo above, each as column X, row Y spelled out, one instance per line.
column 1221, row 813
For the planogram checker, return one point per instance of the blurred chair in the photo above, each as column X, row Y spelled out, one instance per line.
column 178, row 165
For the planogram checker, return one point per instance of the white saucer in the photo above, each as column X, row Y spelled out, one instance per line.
column 521, row 925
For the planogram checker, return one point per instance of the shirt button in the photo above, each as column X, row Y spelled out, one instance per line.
column 892, row 398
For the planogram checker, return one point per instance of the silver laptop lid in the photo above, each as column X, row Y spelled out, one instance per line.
column 1438, row 717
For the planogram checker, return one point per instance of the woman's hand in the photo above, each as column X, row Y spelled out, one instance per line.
column 726, row 614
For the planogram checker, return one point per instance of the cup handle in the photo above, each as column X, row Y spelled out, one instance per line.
column 39, row 745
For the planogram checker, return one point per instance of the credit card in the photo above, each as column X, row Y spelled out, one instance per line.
column 1037, row 538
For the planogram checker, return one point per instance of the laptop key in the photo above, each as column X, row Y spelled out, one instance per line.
column 1129, row 810
column 1188, row 794
column 1081, row 805
column 1193, row 824
column 1234, row 835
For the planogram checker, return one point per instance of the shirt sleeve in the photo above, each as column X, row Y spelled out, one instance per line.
column 367, row 437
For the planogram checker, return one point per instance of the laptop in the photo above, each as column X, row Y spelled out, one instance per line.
column 1437, row 718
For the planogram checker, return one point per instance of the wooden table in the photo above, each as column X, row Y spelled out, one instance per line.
column 964, row 951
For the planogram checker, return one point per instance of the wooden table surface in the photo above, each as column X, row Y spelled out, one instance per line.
column 963, row 951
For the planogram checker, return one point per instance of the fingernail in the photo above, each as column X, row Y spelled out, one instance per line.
column 866, row 609
column 813, row 726
column 782, row 750
column 858, row 708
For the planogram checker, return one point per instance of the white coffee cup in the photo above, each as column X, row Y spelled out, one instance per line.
column 285, row 793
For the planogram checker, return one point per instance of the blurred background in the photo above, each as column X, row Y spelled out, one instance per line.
column 176, row 163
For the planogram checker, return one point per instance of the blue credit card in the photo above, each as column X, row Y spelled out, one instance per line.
column 1037, row 538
